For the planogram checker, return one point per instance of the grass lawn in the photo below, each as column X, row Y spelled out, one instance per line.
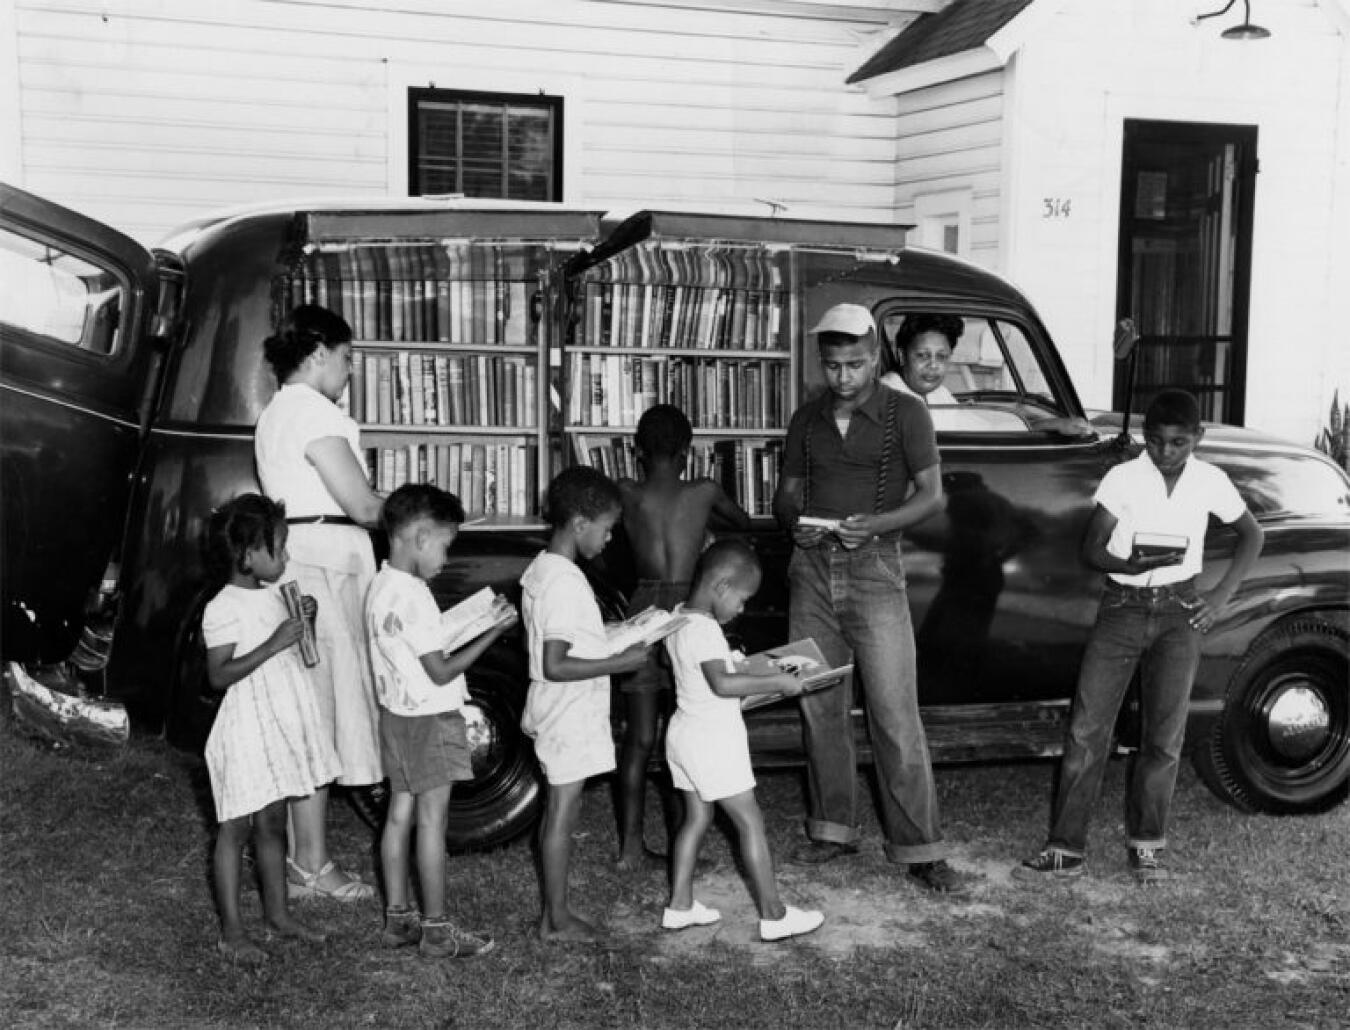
column 107, row 920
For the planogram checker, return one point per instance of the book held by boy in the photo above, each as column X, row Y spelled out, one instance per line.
column 812, row 522
column 1148, row 545
column 646, row 627
column 472, row 617
column 803, row 657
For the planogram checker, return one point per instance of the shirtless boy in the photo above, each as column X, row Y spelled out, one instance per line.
column 666, row 518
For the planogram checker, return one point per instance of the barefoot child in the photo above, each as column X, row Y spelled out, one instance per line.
column 666, row 519
column 264, row 746
column 567, row 709
column 420, row 689
column 706, row 745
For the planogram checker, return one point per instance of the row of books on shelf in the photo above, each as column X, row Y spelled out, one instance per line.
column 411, row 388
column 448, row 293
column 722, row 393
column 747, row 469
column 672, row 263
column 488, row 478
column 658, row 316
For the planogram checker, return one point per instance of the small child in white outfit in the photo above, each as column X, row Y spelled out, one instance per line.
column 706, row 745
column 265, row 745
column 567, row 708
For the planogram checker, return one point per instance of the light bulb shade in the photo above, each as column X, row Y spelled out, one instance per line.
column 1246, row 31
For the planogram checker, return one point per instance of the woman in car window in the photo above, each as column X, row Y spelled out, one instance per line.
column 923, row 348
column 309, row 456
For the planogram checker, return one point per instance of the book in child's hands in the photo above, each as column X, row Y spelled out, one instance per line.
column 801, row 656
column 473, row 617
column 646, row 627
column 812, row 522
column 1147, row 545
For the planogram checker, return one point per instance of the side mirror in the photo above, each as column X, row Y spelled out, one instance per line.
column 1124, row 346
column 1125, row 339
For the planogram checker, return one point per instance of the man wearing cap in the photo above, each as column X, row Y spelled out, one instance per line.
column 852, row 455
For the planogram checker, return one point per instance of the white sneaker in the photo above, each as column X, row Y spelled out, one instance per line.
column 697, row 914
column 794, row 923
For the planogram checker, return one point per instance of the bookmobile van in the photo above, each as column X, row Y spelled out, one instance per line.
column 496, row 343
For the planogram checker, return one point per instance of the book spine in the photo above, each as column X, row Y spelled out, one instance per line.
column 417, row 401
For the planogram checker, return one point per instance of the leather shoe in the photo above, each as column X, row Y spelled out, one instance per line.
column 818, row 852
column 941, row 878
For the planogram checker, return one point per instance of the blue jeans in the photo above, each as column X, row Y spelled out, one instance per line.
column 1146, row 628
column 853, row 604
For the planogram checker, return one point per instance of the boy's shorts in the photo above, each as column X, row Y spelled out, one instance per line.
column 423, row 752
column 575, row 747
column 711, row 761
column 655, row 675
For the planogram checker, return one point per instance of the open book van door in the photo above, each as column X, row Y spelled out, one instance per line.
column 76, row 368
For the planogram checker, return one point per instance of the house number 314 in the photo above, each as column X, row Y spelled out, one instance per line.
column 1056, row 207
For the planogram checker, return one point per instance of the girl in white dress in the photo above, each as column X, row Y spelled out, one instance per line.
column 265, row 746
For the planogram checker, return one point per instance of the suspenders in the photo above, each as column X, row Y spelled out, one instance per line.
column 887, row 448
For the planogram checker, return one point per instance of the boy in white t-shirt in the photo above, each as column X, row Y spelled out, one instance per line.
column 420, row 689
column 567, row 708
column 1150, row 613
column 706, row 745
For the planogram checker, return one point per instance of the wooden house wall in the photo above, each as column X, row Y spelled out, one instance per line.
column 1090, row 67
column 146, row 112
column 950, row 140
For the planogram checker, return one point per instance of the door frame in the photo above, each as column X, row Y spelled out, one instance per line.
column 1136, row 130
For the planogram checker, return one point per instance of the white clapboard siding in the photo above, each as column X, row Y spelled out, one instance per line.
column 175, row 107
column 950, row 138
column 1094, row 65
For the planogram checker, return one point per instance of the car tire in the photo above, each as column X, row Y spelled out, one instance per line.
column 1282, row 742
column 192, row 704
column 506, row 795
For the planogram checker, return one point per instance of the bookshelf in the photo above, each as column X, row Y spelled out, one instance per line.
column 493, row 346
column 693, row 319
column 451, row 330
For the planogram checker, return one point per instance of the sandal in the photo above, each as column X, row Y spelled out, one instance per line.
column 300, row 884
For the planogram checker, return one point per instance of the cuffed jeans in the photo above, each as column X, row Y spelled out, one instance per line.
column 853, row 604
column 1149, row 628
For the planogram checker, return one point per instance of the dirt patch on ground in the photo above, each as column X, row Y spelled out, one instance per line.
column 879, row 915
column 1322, row 961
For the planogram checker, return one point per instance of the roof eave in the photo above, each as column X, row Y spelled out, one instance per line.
column 976, row 61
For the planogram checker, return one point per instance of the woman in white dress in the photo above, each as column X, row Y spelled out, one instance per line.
column 309, row 456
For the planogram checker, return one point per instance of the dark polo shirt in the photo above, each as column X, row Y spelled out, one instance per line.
column 844, row 470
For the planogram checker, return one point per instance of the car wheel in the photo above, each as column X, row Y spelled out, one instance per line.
column 1282, row 743
column 192, row 705
column 506, row 794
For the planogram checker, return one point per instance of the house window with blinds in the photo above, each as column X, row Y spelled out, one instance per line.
column 485, row 144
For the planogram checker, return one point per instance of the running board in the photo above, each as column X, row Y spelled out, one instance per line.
column 956, row 733
column 994, row 732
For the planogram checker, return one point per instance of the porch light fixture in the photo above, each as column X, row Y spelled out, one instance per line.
column 1244, row 31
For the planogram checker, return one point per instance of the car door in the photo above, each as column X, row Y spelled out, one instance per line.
column 75, row 370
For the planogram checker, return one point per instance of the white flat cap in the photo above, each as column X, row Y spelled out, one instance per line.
column 851, row 319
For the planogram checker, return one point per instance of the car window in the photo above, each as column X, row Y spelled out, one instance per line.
column 59, row 296
column 994, row 375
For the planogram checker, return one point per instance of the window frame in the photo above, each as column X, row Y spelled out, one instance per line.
column 552, row 102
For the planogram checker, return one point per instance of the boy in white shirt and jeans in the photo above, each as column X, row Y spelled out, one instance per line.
column 422, row 733
column 1150, row 612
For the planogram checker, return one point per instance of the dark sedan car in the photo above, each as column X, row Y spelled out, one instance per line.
column 132, row 381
